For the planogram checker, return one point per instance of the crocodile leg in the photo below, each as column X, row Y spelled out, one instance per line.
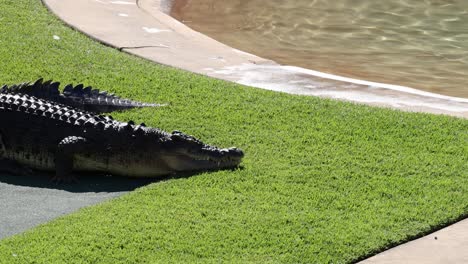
column 66, row 149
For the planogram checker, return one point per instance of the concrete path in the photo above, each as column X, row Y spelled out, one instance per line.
column 446, row 246
column 27, row 201
column 141, row 28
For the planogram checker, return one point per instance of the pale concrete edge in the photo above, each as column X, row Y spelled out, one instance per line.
column 431, row 230
column 107, row 44
column 77, row 29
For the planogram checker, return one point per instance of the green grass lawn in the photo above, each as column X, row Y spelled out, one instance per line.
column 322, row 180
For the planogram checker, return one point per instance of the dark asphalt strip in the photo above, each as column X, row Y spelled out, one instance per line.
column 27, row 201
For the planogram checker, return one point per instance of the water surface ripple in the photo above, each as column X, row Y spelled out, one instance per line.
column 420, row 44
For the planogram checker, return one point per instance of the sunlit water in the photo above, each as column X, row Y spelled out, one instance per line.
column 417, row 43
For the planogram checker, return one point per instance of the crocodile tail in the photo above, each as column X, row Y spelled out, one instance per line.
column 79, row 96
column 101, row 101
column 46, row 90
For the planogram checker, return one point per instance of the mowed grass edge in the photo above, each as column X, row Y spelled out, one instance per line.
column 322, row 180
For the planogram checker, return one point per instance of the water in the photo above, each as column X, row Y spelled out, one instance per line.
column 417, row 43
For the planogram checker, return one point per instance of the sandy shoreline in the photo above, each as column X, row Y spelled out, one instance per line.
column 144, row 28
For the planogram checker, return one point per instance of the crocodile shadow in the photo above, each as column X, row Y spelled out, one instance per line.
column 94, row 182
column 87, row 182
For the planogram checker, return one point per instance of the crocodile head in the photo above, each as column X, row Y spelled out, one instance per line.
column 186, row 153
column 160, row 153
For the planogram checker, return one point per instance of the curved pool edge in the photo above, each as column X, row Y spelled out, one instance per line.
column 141, row 27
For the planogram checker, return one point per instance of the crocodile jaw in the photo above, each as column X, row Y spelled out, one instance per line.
column 170, row 162
column 207, row 159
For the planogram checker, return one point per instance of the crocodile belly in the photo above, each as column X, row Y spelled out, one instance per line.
column 39, row 161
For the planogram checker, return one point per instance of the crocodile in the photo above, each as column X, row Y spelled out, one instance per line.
column 81, row 97
column 44, row 135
